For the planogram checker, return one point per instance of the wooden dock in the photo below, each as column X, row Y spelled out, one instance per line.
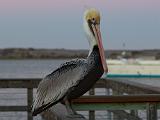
column 125, row 95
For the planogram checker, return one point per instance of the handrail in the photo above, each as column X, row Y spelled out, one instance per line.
column 103, row 83
column 19, row 82
column 118, row 99
column 115, row 84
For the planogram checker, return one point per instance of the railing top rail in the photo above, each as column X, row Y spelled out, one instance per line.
column 109, row 82
column 19, row 82
column 144, row 98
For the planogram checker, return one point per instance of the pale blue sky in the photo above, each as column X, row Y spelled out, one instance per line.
column 46, row 26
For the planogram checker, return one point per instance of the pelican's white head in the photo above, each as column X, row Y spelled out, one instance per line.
column 91, row 17
column 92, row 30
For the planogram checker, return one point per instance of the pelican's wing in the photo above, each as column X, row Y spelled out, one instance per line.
column 55, row 85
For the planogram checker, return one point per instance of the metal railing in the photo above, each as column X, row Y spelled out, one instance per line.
column 148, row 99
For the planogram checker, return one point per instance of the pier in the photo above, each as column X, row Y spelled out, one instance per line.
column 124, row 97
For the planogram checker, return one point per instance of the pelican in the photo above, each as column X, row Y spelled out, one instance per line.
column 74, row 78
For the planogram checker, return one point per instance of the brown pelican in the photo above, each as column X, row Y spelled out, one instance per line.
column 74, row 78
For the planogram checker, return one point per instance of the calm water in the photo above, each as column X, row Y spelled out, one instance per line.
column 28, row 68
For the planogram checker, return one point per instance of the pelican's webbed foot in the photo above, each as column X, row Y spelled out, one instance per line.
column 75, row 116
column 71, row 112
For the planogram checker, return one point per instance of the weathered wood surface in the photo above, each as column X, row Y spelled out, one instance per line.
column 130, row 87
column 118, row 99
column 115, row 84
column 122, row 86
column 92, row 112
column 30, row 102
column 58, row 112
column 152, row 111
column 122, row 115
column 13, row 108
column 95, row 100
column 19, row 83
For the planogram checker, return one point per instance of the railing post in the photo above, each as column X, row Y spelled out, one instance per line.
column 29, row 102
column 107, row 93
column 92, row 112
column 115, row 117
column 151, row 111
column 134, row 112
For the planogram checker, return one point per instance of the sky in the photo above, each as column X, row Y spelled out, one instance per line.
column 59, row 23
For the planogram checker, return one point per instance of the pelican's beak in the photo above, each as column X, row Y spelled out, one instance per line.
column 97, row 33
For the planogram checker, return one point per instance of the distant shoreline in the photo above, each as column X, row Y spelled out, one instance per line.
column 31, row 53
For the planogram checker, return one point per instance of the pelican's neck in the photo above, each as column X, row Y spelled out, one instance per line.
column 91, row 49
column 94, row 51
column 91, row 39
column 94, row 57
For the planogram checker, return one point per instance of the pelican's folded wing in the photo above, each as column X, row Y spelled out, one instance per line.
column 55, row 85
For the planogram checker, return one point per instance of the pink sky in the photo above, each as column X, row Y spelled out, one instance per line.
column 10, row 5
column 26, row 23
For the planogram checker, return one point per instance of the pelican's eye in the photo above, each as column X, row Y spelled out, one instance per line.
column 93, row 21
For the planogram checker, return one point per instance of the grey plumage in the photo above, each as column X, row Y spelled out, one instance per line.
column 55, row 85
column 72, row 79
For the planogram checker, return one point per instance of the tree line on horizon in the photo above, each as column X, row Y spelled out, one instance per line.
column 32, row 53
